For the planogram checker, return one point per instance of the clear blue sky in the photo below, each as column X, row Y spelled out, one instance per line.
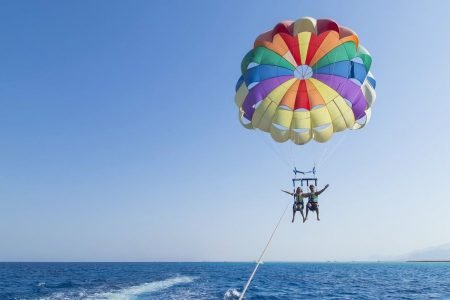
column 119, row 137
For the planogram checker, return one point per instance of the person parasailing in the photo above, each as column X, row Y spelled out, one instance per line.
column 313, row 200
column 298, row 203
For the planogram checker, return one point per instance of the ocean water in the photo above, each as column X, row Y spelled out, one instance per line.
column 224, row 281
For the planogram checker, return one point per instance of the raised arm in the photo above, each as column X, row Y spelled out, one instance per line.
column 322, row 190
column 288, row 192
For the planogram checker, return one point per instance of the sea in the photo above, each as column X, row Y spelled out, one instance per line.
column 326, row 280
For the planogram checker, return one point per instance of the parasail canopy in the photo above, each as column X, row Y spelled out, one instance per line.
column 306, row 80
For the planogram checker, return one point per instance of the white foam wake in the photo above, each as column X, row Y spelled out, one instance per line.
column 134, row 291
column 231, row 294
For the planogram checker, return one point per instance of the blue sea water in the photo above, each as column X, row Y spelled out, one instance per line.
column 224, row 281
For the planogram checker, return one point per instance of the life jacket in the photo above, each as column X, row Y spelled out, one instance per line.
column 298, row 198
column 313, row 198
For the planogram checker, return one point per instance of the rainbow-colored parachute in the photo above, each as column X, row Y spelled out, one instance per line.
column 306, row 80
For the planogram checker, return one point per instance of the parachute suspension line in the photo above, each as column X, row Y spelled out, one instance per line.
column 322, row 155
column 258, row 262
column 333, row 149
column 291, row 146
column 283, row 159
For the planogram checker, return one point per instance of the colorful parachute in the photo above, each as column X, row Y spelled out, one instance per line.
column 306, row 80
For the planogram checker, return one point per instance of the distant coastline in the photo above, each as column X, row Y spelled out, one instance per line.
column 430, row 260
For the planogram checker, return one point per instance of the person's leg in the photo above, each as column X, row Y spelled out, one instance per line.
column 303, row 216
column 317, row 212
column 293, row 213
column 307, row 210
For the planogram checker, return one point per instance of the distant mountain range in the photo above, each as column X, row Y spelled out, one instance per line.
column 441, row 252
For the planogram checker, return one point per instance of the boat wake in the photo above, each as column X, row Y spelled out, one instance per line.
column 231, row 294
column 139, row 290
column 134, row 292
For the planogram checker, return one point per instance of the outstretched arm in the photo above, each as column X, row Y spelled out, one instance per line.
column 306, row 195
column 288, row 192
column 322, row 190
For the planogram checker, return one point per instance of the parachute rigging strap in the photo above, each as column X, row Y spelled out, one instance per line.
column 304, row 179
column 313, row 171
column 258, row 262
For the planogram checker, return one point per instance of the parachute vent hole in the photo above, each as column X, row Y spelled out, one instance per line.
column 317, row 106
column 301, row 130
column 245, row 121
column 257, row 105
column 357, row 60
column 322, row 127
column 252, row 85
column 348, row 102
column 356, row 81
column 279, row 127
column 284, row 107
column 362, row 120
column 252, row 65
column 303, row 72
